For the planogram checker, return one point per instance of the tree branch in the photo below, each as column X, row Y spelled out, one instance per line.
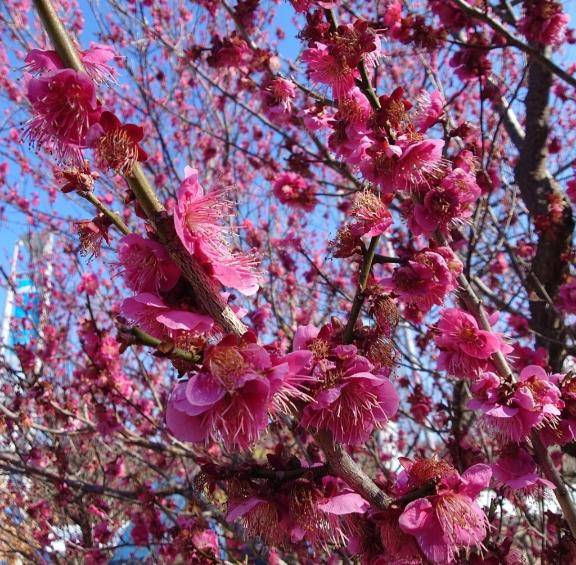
column 542, row 59
column 540, row 191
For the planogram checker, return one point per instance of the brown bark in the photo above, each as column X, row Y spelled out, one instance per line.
column 539, row 189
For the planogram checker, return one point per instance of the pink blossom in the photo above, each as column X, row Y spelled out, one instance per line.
column 153, row 316
column 450, row 520
column 426, row 278
column 146, row 265
column 298, row 510
column 500, row 264
column 92, row 233
column 198, row 219
column 512, row 411
column 544, row 22
column 206, row 540
column 229, row 53
column 336, row 63
column 438, row 207
column 116, row 145
column 293, row 190
column 393, row 14
column 95, row 59
column 563, row 431
column 326, row 68
column 465, row 349
column 315, row 118
column 522, row 356
column 349, row 397
column 354, row 108
column 277, row 99
column 471, row 62
column 305, row 5
column 64, row 105
column 516, row 470
column 371, row 215
column 88, row 284
column 398, row 547
column 396, row 167
column 430, row 110
column 349, row 140
column 234, row 393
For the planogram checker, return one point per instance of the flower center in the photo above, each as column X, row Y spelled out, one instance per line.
column 117, row 150
column 227, row 364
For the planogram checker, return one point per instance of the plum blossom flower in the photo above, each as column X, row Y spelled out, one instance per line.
column 328, row 69
column 399, row 167
column 335, row 64
column 315, row 118
column 277, row 99
column 92, row 233
column 398, row 547
column 293, row 190
column 384, row 310
column 516, row 470
column 354, row 108
column 563, row 431
column 439, row 206
column 350, row 142
column 371, row 215
column 159, row 320
column 471, row 62
column 239, row 385
column 426, row 278
column 95, row 59
column 198, row 221
column 298, row 510
column 229, row 53
column 512, row 410
column 429, row 111
column 305, row 5
column 64, row 107
column 350, row 398
column 450, row 520
column 392, row 115
column 465, row 349
column 544, row 22
column 146, row 265
column 117, row 145
column 88, row 283
column 79, row 178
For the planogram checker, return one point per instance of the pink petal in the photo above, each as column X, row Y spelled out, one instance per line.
column 183, row 426
column 347, row 503
column 182, row 320
column 202, row 392
column 242, row 508
column 476, row 478
column 416, row 516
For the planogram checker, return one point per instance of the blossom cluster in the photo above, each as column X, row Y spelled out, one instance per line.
column 69, row 118
column 413, row 193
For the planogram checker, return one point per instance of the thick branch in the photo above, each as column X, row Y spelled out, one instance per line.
column 539, row 191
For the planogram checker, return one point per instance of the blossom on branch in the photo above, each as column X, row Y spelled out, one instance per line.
column 449, row 520
column 231, row 398
column 198, row 219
